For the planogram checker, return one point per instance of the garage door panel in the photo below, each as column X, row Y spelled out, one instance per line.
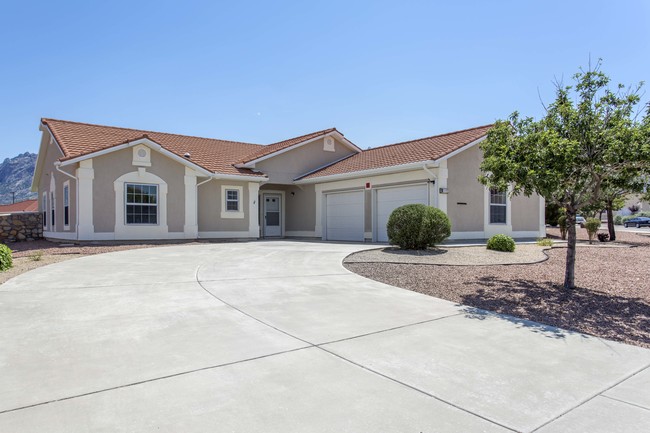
column 390, row 199
column 344, row 216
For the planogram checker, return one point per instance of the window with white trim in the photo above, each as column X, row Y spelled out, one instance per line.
column 498, row 205
column 232, row 200
column 44, row 209
column 66, row 205
column 141, row 203
column 232, row 205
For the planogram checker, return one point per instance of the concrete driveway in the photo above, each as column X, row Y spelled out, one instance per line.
column 279, row 337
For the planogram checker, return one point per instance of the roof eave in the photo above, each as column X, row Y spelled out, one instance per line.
column 370, row 172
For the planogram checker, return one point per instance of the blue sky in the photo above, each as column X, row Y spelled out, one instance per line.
column 381, row 72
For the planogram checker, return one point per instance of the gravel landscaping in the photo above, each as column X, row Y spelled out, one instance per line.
column 612, row 299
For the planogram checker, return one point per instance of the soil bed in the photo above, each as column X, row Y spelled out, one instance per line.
column 612, row 299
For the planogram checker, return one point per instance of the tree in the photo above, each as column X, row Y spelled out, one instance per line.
column 570, row 154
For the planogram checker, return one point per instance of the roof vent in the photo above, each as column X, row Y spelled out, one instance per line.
column 187, row 155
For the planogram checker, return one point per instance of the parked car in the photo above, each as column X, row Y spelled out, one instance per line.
column 637, row 222
column 581, row 220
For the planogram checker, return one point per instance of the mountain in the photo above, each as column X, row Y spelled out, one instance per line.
column 16, row 176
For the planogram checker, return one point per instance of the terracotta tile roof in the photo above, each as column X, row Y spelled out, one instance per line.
column 79, row 139
column 21, row 206
column 275, row 147
column 423, row 149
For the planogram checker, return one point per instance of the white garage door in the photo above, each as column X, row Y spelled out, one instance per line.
column 344, row 218
column 389, row 199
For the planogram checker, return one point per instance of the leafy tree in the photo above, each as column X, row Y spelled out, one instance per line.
column 570, row 154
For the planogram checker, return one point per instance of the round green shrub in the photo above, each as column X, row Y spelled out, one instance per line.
column 501, row 243
column 618, row 220
column 417, row 227
column 5, row 258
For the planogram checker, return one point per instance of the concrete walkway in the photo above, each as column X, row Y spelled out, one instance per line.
column 279, row 337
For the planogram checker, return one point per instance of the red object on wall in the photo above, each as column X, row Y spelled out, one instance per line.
column 367, row 185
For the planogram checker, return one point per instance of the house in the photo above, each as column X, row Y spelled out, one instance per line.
column 102, row 183
column 21, row 206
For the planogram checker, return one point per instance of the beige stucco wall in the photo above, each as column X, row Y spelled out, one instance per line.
column 52, row 153
column 525, row 213
column 300, row 208
column 209, row 208
column 283, row 168
column 464, row 169
column 112, row 165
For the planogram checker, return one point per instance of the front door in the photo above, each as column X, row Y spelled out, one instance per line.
column 272, row 216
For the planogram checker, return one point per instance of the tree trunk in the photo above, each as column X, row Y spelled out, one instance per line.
column 569, row 273
column 610, row 221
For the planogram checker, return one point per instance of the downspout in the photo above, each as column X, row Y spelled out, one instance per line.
column 431, row 174
column 432, row 180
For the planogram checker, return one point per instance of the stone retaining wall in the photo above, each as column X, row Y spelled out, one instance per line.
column 25, row 226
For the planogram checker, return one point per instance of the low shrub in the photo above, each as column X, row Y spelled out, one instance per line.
column 603, row 237
column 561, row 221
column 545, row 242
column 618, row 220
column 592, row 225
column 417, row 227
column 501, row 243
column 36, row 256
column 6, row 261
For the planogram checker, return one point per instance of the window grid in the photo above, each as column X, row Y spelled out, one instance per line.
column 498, row 204
column 141, row 203
column 232, row 200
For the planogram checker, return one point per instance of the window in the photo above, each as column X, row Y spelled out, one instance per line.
column 141, row 203
column 232, row 200
column 497, row 207
column 66, row 205
column 52, row 210
column 44, row 209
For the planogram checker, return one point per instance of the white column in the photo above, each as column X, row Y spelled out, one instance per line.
column 253, row 210
column 191, row 227
column 443, row 174
column 85, row 174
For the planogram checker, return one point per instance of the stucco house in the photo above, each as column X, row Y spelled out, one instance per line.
column 102, row 183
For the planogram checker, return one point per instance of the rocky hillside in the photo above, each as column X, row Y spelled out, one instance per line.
column 16, row 176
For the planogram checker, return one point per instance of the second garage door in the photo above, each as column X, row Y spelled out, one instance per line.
column 389, row 199
column 344, row 216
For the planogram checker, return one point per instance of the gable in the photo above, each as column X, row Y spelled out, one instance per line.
column 48, row 153
column 81, row 141
column 285, row 167
column 401, row 156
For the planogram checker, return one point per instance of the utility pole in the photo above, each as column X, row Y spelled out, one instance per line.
column 13, row 197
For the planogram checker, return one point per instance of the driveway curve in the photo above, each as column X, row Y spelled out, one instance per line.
column 279, row 336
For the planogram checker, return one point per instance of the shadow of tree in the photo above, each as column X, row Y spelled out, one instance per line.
column 538, row 328
column 584, row 310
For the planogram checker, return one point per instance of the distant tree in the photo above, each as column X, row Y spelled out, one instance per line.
column 634, row 208
column 570, row 154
